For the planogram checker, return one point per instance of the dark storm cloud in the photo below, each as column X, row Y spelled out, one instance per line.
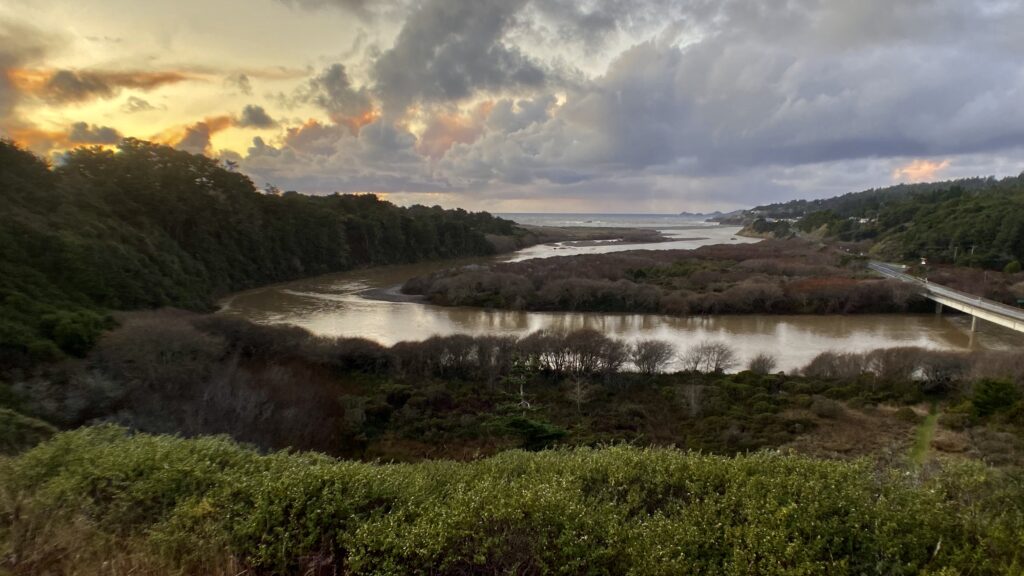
column 72, row 86
column 448, row 50
column 84, row 133
column 255, row 117
column 332, row 90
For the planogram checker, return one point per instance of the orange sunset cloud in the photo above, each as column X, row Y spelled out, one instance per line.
column 919, row 170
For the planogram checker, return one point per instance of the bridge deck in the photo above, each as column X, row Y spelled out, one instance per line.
column 992, row 311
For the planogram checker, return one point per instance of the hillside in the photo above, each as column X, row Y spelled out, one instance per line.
column 866, row 203
column 977, row 222
column 148, row 226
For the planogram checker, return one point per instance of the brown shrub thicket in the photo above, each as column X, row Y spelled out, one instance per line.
column 780, row 277
column 935, row 371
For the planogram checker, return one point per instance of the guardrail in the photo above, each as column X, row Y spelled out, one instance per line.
column 964, row 298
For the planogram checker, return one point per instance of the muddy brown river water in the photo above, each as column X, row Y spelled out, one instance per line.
column 337, row 305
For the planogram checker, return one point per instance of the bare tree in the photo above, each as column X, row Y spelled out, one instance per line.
column 763, row 363
column 651, row 356
column 721, row 358
column 709, row 357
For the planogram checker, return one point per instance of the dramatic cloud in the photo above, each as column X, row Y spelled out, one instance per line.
column 448, row 50
column 195, row 138
column 83, row 133
column 333, row 92
column 71, row 86
column 447, row 129
column 255, row 117
column 554, row 104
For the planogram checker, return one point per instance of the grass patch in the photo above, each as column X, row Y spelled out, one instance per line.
column 923, row 439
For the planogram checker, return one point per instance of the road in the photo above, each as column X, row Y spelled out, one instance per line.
column 976, row 306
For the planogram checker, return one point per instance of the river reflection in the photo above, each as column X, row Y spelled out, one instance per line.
column 332, row 305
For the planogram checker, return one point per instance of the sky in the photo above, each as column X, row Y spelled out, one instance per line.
column 533, row 105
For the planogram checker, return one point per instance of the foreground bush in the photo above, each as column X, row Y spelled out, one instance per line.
column 98, row 498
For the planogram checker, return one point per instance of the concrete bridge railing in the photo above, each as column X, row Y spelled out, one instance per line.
column 976, row 306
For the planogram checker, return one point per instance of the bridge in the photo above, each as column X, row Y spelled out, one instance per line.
column 976, row 306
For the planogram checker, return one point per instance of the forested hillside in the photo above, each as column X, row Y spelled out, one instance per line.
column 867, row 202
column 149, row 226
column 971, row 222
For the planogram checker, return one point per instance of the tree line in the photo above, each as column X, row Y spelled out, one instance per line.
column 147, row 226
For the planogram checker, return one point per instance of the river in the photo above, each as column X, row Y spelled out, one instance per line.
column 333, row 305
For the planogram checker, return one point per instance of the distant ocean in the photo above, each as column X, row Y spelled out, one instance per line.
column 606, row 220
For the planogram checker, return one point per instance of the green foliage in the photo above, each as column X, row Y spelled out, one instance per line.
column 149, row 226
column 991, row 396
column 535, row 435
column 187, row 505
column 971, row 222
column 19, row 432
column 816, row 220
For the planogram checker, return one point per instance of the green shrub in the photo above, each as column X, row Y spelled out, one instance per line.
column 1012, row 267
column 19, row 432
column 192, row 506
column 990, row 396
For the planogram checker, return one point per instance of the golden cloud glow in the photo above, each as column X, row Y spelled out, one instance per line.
column 355, row 123
column 194, row 137
column 445, row 130
column 919, row 170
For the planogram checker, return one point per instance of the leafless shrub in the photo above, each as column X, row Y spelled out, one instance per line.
column 894, row 364
column 651, row 356
column 159, row 350
column 942, row 370
column 831, row 364
column 709, row 357
column 997, row 365
column 763, row 363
